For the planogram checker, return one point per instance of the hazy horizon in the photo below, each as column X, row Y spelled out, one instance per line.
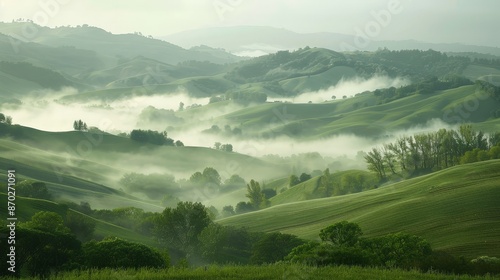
column 449, row 21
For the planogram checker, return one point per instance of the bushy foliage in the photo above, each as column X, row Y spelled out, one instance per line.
column 179, row 227
column 39, row 252
column 344, row 247
column 33, row 189
column 221, row 244
column 81, row 226
column 117, row 253
column 273, row 247
column 48, row 222
column 342, row 234
column 151, row 137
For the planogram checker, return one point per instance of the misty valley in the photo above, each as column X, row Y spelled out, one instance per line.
column 123, row 155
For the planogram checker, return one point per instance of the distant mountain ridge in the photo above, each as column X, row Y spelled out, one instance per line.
column 246, row 38
column 111, row 45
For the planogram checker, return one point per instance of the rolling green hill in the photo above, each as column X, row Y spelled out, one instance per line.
column 309, row 189
column 84, row 166
column 27, row 207
column 361, row 115
column 455, row 209
column 112, row 45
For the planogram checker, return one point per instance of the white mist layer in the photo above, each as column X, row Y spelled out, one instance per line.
column 347, row 88
column 42, row 111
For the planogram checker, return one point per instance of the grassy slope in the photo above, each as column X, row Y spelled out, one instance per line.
column 360, row 115
column 108, row 148
column 456, row 210
column 92, row 175
column 305, row 190
column 82, row 180
column 478, row 72
column 319, row 81
column 27, row 207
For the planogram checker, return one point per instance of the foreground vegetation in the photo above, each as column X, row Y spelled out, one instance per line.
column 275, row 271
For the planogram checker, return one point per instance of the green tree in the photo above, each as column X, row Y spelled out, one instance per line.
column 244, row 207
column 399, row 250
column 235, row 181
column 375, row 161
column 38, row 253
column 304, row 177
column 217, row 145
column 211, row 175
column 273, row 247
column 226, row 147
column 342, row 234
column 325, row 184
column 269, row 193
column 178, row 143
column 79, row 125
column 222, row 244
column 228, row 211
column 48, row 222
column 197, row 178
column 81, row 226
column 5, row 119
column 293, row 180
column 113, row 252
column 254, row 193
column 33, row 189
column 179, row 227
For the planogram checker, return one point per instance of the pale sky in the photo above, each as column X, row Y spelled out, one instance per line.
column 437, row 21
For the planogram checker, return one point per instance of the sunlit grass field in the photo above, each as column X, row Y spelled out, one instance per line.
column 456, row 210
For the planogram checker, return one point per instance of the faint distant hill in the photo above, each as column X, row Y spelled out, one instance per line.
column 112, row 45
column 262, row 39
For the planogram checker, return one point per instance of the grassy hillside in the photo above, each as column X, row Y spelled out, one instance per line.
column 456, row 210
column 309, row 189
column 478, row 72
column 82, row 166
column 361, row 115
column 27, row 207
column 112, row 45
column 300, row 192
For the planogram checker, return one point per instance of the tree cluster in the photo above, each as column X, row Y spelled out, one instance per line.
column 5, row 119
column 427, row 152
column 427, row 86
column 223, row 147
column 49, row 243
column 295, row 180
column 345, row 183
column 492, row 90
column 80, row 125
column 343, row 245
column 258, row 199
column 33, row 189
column 154, row 137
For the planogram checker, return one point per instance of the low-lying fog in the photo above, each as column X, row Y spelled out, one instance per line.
column 347, row 87
column 42, row 111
